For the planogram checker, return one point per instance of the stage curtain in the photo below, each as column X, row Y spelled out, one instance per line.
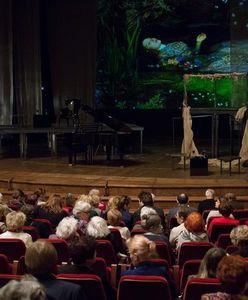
column 6, row 63
column 71, row 32
column 27, row 62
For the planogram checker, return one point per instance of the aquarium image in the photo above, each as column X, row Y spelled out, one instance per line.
column 146, row 49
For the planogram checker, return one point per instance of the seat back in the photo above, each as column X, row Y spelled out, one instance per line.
column 118, row 239
column 223, row 241
column 61, row 247
column 44, row 227
column 91, row 284
column 133, row 287
column 12, row 248
column 5, row 278
column 5, row 267
column 100, row 268
column 163, row 251
column 105, row 250
column 240, row 213
column 190, row 267
column 230, row 249
column 33, row 231
column 192, row 250
column 196, row 287
column 218, row 229
column 135, row 231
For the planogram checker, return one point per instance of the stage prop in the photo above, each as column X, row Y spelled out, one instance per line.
column 238, row 96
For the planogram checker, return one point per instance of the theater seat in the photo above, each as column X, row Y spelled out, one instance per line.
column 133, row 287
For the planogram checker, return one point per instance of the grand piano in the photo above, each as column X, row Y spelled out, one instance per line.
column 106, row 131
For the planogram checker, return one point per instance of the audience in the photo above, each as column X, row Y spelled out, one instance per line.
column 146, row 199
column 225, row 210
column 141, row 252
column 14, row 222
column 182, row 200
column 123, row 206
column 28, row 288
column 234, row 202
column 114, row 218
column 232, row 271
column 239, row 238
column 81, row 212
column 194, row 230
column 181, row 216
column 208, row 203
column 66, row 229
column 98, row 228
column 215, row 212
column 52, row 210
column 41, row 259
column 101, row 205
column 17, row 200
column 210, row 262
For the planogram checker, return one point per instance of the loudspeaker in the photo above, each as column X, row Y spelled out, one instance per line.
column 198, row 166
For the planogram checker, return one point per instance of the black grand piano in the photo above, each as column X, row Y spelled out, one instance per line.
column 106, row 131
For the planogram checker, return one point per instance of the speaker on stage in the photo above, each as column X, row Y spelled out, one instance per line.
column 199, row 166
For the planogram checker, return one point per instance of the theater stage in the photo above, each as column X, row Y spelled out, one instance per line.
column 150, row 171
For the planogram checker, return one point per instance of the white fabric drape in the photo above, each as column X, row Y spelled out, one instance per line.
column 188, row 145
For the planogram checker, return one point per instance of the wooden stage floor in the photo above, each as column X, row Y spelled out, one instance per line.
column 151, row 170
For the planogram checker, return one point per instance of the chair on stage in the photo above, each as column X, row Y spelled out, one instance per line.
column 133, row 287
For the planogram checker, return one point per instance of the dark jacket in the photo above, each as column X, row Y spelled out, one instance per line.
column 207, row 204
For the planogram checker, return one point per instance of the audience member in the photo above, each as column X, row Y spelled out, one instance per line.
column 28, row 208
column 66, row 229
column 225, row 210
column 101, row 205
column 114, row 218
column 153, row 228
column 52, row 210
column 210, row 262
column 141, row 252
column 182, row 200
column 123, row 206
column 232, row 271
column 215, row 212
column 88, row 199
column 81, row 212
column 41, row 259
column 4, row 210
column 146, row 199
column 28, row 288
column 234, row 202
column 98, row 228
column 70, row 201
column 239, row 238
column 208, row 203
column 14, row 222
column 144, row 213
column 194, row 230
column 17, row 200
column 181, row 216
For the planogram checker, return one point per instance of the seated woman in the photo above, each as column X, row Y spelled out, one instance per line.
column 144, row 213
column 225, row 210
column 194, row 230
column 123, row 206
column 210, row 262
column 141, row 252
column 215, row 212
column 81, row 212
column 239, row 238
column 52, row 210
column 98, row 228
column 14, row 222
column 66, row 230
column 232, row 271
column 114, row 218
column 181, row 216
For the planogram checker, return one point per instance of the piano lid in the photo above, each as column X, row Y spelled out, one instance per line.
column 102, row 117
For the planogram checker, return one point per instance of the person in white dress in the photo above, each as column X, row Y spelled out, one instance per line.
column 14, row 222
